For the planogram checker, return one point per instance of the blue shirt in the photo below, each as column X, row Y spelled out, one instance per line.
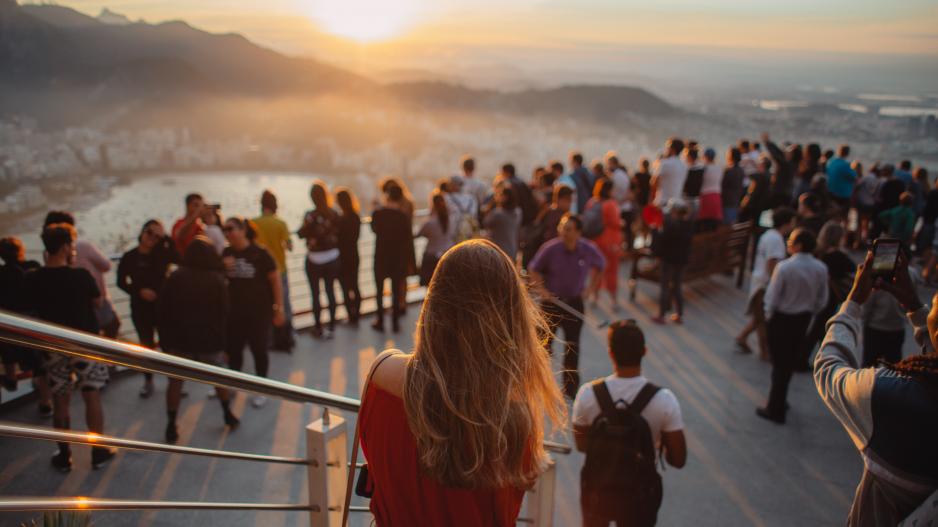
column 581, row 181
column 905, row 176
column 564, row 271
column 840, row 177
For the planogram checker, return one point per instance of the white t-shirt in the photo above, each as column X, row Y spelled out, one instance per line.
column 670, row 173
column 663, row 413
column 476, row 188
column 620, row 189
column 712, row 179
column 771, row 246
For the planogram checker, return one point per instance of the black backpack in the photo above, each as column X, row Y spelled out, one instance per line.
column 619, row 478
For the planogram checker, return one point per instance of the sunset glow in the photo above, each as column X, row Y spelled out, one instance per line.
column 365, row 20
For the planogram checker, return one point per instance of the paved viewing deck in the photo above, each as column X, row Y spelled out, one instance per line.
column 741, row 470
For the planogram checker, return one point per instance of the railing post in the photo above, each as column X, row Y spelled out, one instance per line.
column 327, row 471
column 541, row 498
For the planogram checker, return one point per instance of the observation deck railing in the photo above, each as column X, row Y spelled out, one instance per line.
column 326, row 459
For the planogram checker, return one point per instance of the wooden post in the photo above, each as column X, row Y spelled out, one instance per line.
column 327, row 451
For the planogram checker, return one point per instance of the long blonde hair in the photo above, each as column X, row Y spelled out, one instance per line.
column 479, row 383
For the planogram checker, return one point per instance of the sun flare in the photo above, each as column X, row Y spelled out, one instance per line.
column 365, row 20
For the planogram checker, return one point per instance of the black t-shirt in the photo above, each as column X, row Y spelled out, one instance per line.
column 394, row 242
column 930, row 212
column 349, row 229
column 138, row 271
column 248, row 283
column 64, row 296
column 12, row 282
column 694, row 181
column 889, row 193
column 642, row 183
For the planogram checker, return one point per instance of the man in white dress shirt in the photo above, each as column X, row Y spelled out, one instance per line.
column 796, row 292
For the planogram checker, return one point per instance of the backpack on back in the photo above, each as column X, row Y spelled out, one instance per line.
column 467, row 227
column 593, row 220
column 619, row 478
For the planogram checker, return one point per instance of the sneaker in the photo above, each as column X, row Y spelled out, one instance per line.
column 101, row 455
column 62, row 461
column 258, row 401
column 677, row 319
column 146, row 390
column 212, row 394
column 45, row 410
column 172, row 433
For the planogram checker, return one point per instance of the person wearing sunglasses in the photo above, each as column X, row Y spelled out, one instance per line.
column 141, row 273
column 255, row 297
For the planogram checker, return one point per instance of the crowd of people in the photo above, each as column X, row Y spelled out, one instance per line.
column 537, row 255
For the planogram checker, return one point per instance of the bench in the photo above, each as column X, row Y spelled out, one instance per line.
column 720, row 251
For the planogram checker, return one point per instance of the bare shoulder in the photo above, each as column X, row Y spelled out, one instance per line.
column 389, row 371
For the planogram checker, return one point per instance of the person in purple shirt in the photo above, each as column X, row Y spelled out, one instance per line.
column 560, row 271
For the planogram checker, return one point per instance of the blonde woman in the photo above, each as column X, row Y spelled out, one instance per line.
column 453, row 432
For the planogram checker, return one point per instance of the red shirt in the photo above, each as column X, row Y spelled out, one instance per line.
column 183, row 241
column 403, row 496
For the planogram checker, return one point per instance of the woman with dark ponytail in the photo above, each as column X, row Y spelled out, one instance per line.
column 254, row 295
column 891, row 410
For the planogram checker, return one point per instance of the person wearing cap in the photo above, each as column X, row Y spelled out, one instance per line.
column 672, row 247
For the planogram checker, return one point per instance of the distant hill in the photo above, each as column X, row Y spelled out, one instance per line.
column 53, row 57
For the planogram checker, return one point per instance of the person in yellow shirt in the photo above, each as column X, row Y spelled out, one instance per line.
column 273, row 234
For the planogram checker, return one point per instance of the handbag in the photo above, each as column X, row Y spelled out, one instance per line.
column 364, row 488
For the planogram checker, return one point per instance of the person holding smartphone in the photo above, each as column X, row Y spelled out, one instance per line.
column 890, row 411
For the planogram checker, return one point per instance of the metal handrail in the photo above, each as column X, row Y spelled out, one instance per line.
column 24, row 331
column 92, row 439
column 81, row 503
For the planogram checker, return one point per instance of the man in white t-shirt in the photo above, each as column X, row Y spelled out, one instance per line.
column 662, row 413
column 622, row 193
column 668, row 179
column 769, row 251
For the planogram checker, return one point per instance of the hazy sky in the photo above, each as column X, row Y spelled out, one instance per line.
column 861, row 26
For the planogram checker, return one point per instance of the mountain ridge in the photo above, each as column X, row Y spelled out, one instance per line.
column 52, row 47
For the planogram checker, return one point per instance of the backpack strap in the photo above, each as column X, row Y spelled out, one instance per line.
column 644, row 397
column 604, row 398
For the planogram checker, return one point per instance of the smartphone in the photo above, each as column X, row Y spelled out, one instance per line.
column 216, row 206
column 885, row 257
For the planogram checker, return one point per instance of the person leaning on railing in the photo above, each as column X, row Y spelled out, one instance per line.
column 453, row 432
column 891, row 410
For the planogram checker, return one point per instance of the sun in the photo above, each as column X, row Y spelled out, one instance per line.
column 365, row 20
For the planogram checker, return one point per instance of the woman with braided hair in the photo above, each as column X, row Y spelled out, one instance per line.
column 891, row 410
